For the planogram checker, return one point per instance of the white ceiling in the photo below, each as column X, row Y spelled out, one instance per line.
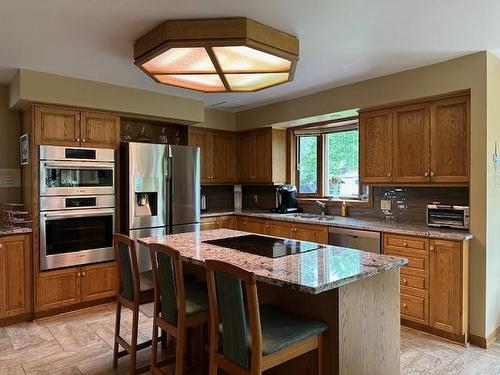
column 340, row 41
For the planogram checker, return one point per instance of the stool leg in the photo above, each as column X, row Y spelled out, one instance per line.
column 133, row 342
column 179, row 352
column 320, row 354
column 117, row 333
column 154, row 347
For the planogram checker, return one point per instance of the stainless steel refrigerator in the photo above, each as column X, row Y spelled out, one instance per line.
column 160, row 191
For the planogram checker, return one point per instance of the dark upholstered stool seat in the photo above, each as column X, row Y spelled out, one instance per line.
column 280, row 329
column 196, row 298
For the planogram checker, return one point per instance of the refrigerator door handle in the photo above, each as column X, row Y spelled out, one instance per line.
column 169, row 187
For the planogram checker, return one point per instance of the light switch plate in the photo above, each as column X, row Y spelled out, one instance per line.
column 385, row 205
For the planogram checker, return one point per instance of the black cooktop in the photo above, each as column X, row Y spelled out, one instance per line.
column 265, row 246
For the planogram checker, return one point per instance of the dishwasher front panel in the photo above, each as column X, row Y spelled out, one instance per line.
column 355, row 239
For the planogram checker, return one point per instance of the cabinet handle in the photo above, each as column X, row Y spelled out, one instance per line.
column 405, row 281
column 431, row 248
column 405, row 244
column 389, row 174
column 83, row 273
column 432, row 174
column 78, row 274
column 78, row 139
column 426, row 174
column 1, row 245
column 405, row 305
column 83, row 140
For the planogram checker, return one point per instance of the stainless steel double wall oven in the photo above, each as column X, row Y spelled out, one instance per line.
column 77, row 206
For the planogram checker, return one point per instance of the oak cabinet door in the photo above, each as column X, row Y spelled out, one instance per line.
column 375, row 130
column 262, row 144
column 226, row 222
column 99, row 281
column 245, row 157
column 280, row 229
column 446, row 286
column 209, row 223
column 100, row 130
column 449, row 119
column 411, row 144
column 58, row 288
column 224, row 157
column 203, row 140
column 15, row 277
column 56, row 126
column 316, row 234
column 255, row 225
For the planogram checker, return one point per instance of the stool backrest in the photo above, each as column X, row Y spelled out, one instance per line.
column 229, row 287
column 126, row 256
column 168, row 284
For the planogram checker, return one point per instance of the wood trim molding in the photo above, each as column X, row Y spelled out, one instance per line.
column 485, row 342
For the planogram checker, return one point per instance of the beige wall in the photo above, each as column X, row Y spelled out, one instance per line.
column 30, row 86
column 468, row 72
column 493, row 197
column 217, row 119
column 10, row 129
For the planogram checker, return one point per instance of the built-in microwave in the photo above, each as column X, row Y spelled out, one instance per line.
column 76, row 171
column 448, row 216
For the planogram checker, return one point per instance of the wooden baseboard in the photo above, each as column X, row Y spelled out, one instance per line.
column 459, row 339
column 27, row 317
column 485, row 342
column 65, row 309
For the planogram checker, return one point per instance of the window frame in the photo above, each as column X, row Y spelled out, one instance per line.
column 320, row 131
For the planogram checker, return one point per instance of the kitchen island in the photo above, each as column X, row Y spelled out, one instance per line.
column 355, row 293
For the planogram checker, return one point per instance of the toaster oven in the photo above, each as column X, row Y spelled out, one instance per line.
column 448, row 216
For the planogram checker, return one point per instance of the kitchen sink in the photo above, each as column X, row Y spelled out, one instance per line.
column 313, row 216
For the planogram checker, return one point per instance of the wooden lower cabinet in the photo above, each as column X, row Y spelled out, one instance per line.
column 70, row 286
column 15, row 276
column 433, row 283
column 98, row 281
column 297, row 231
column 217, row 222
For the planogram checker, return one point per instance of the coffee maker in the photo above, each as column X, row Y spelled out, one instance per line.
column 286, row 199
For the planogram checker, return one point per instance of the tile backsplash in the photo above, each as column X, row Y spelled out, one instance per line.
column 219, row 197
column 266, row 197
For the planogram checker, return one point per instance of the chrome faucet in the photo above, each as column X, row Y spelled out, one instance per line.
column 322, row 206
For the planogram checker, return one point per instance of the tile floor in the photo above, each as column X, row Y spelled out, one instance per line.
column 80, row 343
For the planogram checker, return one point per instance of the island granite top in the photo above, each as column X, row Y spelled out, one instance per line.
column 14, row 231
column 312, row 272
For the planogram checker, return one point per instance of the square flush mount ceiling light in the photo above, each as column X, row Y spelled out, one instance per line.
column 217, row 55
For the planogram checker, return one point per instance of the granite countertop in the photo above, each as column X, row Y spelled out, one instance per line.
column 312, row 272
column 348, row 222
column 13, row 231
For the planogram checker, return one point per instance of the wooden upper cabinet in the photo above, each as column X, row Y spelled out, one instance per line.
column 376, row 146
column 245, row 156
column 73, row 128
column 224, row 157
column 15, row 276
column 446, row 286
column 449, row 127
column 262, row 156
column 57, row 126
column 218, row 154
column 100, row 130
column 203, row 140
column 411, row 144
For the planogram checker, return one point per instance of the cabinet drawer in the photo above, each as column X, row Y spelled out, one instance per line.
column 417, row 263
column 404, row 242
column 414, row 281
column 414, row 308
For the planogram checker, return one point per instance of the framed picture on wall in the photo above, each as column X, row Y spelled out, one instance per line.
column 24, row 149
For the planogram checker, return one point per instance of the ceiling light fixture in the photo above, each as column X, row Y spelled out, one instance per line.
column 217, row 55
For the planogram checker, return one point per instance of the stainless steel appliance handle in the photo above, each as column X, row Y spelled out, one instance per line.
column 78, row 165
column 78, row 213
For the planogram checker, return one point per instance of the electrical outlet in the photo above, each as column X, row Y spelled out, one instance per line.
column 255, row 198
column 385, row 205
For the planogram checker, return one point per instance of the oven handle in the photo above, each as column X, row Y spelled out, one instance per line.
column 78, row 213
column 78, row 165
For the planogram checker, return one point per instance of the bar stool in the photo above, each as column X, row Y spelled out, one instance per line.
column 177, row 306
column 276, row 336
column 135, row 288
